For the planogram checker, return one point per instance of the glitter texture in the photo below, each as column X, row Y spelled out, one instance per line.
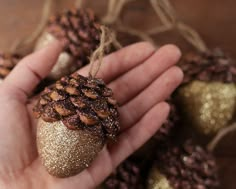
column 64, row 65
column 66, row 152
column 208, row 106
column 157, row 180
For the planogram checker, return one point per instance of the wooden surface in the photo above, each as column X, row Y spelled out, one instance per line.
column 215, row 21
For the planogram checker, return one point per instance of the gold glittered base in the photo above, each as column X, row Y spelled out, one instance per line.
column 156, row 180
column 64, row 65
column 66, row 152
column 207, row 106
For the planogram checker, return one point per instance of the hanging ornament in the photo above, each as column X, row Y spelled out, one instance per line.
column 80, row 31
column 7, row 63
column 188, row 166
column 77, row 115
column 207, row 96
column 208, row 92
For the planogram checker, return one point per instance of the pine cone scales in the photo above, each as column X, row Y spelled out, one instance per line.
column 126, row 176
column 188, row 167
column 81, row 103
column 80, row 29
column 209, row 66
column 7, row 63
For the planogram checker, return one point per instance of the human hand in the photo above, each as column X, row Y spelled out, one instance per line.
column 141, row 80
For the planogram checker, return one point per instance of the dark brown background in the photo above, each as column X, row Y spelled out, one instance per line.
column 214, row 20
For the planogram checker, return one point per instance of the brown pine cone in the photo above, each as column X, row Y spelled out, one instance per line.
column 188, row 166
column 7, row 63
column 80, row 30
column 211, row 66
column 76, row 113
column 126, row 176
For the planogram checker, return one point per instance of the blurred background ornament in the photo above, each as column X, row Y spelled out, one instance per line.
column 185, row 166
column 208, row 92
column 80, row 31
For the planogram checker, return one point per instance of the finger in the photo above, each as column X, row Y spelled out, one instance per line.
column 121, row 61
column 33, row 68
column 141, row 76
column 128, row 142
column 158, row 91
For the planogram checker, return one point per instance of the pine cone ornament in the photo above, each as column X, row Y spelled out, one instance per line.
column 126, row 176
column 208, row 94
column 7, row 63
column 183, row 167
column 77, row 115
column 80, row 30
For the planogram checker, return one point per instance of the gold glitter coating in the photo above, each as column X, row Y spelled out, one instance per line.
column 64, row 65
column 156, row 180
column 66, row 152
column 208, row 106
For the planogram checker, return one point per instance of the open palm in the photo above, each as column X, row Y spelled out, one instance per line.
column 141, row 80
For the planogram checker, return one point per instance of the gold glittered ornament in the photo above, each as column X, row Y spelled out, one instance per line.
column 77, row 115
column 207, row 96
column 65, row 64
column 66, row 152
column 208, row 106
column 156, row 180
column 80, row 31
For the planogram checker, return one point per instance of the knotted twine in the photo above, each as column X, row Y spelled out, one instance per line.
column 107, row 39
column 168, row 17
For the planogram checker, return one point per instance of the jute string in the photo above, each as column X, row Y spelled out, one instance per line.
column 220, row 135
column 26, row 43
column 106, row 40
column 113, row 11
column 134, row 32
column 112, row 17
column 168, row 17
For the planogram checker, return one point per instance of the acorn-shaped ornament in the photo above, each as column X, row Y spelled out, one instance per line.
column 77, row 115
column 183, row 167
column 80, row 31
column 7, row 63
column 207, row 96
